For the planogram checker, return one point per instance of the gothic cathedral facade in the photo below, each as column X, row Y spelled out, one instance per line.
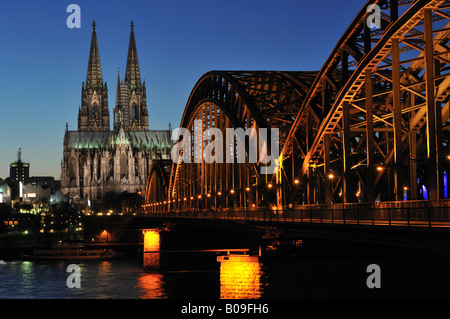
column 98, row 160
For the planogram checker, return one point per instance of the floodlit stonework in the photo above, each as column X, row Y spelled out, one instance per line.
column 98, row 160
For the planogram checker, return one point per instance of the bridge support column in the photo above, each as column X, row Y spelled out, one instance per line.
column 279, row 181
column 310, row 186
column 398, row 187
column 432, row 143
column 347, row 189
column 369, row 138
column 327, row 181
column 412, row 155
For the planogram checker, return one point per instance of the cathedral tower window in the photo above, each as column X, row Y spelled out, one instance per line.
column 123, row 165
column 133, row 111
column 94, row 112
column 73, row 170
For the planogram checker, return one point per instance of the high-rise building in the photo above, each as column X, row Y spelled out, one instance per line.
column 98, row 160
column 19, row 171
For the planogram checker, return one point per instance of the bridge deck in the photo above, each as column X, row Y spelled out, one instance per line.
column 392, row 214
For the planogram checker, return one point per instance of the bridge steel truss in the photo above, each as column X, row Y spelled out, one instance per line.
column 223, row 100
column 158, row 181
column 372, row 125
column 375, row 123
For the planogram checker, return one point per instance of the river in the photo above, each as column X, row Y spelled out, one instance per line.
column 404, row 274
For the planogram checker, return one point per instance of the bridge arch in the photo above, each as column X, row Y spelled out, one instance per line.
column 157, row 185
column 233, row 100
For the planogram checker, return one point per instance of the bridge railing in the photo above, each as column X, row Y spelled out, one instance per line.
column 412, row 213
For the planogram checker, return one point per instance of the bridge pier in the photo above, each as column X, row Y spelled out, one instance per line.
column 151, row 250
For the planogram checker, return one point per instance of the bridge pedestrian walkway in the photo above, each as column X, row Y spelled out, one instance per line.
column 434, row 214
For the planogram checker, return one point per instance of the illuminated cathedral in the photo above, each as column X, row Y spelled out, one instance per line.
column 98, row 160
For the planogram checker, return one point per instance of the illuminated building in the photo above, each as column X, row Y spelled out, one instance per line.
column 97, row 160
column 5, row 193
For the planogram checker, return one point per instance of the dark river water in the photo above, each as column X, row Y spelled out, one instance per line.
column 320, row 269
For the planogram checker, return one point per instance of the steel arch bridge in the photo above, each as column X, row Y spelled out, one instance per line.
column 371, row 126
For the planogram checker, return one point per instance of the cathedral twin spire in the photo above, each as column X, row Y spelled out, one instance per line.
column 131, row 102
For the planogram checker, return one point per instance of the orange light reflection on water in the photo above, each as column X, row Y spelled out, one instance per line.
column 151, row 286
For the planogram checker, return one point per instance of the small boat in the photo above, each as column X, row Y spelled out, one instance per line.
column 73, row 252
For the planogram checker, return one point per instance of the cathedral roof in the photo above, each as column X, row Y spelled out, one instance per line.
column 105, row 139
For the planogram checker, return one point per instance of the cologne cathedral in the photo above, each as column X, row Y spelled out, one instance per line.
column 98, row 160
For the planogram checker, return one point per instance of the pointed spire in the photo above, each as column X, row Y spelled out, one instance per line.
column 94, row 73
column 132, row 73
column 118, row 87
